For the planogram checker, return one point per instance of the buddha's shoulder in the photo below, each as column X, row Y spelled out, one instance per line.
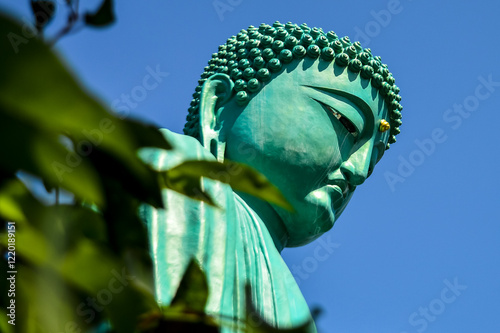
column 184, row 148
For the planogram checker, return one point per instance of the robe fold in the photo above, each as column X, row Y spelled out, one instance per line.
column 231, row 243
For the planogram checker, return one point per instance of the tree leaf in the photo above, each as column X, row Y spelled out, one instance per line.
column 4, row 325
column 186, row 184
column 31, row 246
column 192, row 294
column 182, row 324
column 41, row 154
column 147, row 135
column 63, row 240
column 48, row 294
column 17, row 203
column 58, row 105
column 43, row 12
column 122, row 178
column 126, row 231
column 103, row 16
column 240, row 177
column 93, row 269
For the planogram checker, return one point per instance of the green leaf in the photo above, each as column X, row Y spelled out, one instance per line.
column 181, row 324
column 67, row 240
column 4, row 325
column 186, row 184
column 122, row 178
column 47, row 186
column 31, row 245
column 58, row 105
column 95, row 271
column 128, row 306
column 147, row 135
column 103, row 16
column 88, row 266
column 76, row 223
column 43, row 12
column 240, row 177
column 17, row 203
column 48, row 294
column 125, row 229
column 41, row 154
column 192, row 294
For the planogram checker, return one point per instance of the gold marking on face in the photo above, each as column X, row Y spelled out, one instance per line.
column 384, row 126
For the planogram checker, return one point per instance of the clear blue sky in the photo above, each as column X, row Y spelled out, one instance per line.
column 418, row 253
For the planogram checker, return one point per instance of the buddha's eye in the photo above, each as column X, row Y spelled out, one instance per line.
column 349, row 126
column 346, row 122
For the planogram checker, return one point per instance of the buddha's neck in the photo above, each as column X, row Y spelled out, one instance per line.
column 270, row 218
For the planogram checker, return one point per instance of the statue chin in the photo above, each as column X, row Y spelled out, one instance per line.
column 315, row 215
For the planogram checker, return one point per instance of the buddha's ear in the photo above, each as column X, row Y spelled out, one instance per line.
column 216, row 91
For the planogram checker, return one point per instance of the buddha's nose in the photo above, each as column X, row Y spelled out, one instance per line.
column 355, row 174
column 356, row 168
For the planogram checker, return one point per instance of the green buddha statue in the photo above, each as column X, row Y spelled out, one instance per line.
column 312, row 112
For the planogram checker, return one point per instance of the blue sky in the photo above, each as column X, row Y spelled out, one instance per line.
column 418, row 248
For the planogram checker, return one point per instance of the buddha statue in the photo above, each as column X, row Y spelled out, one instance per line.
column 312, row 112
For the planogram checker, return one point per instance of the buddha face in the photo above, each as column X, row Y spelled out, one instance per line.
column 313, row 131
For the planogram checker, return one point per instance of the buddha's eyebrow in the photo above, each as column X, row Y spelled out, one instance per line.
column 361, row 104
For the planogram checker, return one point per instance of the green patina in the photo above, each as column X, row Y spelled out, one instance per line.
column 311, row 112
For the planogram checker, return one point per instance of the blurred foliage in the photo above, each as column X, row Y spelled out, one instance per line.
column 103, row 16
column 85, row 266
column 240, row 177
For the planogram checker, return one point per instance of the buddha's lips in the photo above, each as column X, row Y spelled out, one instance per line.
column 340, row 186
column 337, row 189
column 338, row 194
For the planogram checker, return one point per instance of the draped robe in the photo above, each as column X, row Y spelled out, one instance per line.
column 231, row 243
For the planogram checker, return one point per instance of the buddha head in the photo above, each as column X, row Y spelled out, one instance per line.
column 312, row 112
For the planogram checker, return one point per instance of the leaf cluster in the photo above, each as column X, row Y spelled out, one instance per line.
column 85, row 265
column 45, row 10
